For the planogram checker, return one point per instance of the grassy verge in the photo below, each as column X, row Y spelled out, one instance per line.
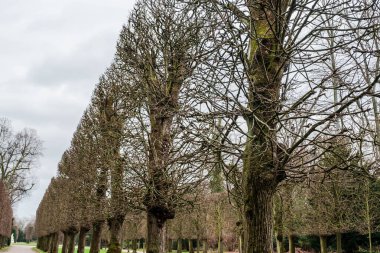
column 37, row 250
column 4, row 249
column 26, row 244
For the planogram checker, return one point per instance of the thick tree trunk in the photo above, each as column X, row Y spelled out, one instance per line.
column 71, row 242
column 198, row 244
column 179, row 245
column 338, row 243
column 156, row 236
column 262, row 169
column 115, row 224
column 191, row 248
column 292, row 246
column 65, row 240
column 96, row 236
column 258, row 218
column 54, row 247
column 49, row 243
column 82, row 239
column 323, row 243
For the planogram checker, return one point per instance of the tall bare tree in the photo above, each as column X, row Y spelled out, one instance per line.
column 19, row 153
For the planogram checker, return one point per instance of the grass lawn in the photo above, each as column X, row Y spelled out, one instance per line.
column 86, row 250
column 24, row 243
column 37, row 250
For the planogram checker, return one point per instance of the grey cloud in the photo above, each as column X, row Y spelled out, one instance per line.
column 51, row 56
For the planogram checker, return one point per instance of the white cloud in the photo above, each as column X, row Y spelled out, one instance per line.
column 52, row 54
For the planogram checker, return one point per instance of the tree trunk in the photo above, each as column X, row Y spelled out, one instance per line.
column 323, row 243
column 49, row 243
column 134, row 245
column 170, row 245
column 71, row 243
column 292, row 246
column 205, row 246
column 179, row 245
column 220, row 244
column 240, row 243
column 156, row 234
column 198, row 244
column 338, row 243
column 262, row 155
column 115, row 225
column 258, row 218
column 96, row 236
column 64, row 244
column 82, row 239
column 191, row 248
column 54, row 248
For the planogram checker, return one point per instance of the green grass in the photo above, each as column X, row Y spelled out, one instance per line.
column 86, row 250
column 37, row 250
column 24, row 243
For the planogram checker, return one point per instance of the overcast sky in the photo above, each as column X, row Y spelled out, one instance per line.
column 51, row 55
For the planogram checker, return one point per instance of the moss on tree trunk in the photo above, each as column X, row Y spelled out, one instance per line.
column 179, row 245
column 323, row 243
column 115, row 225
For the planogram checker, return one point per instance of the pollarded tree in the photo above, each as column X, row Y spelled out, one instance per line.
column 113, row 106
column 268, row 80
column 160, row 47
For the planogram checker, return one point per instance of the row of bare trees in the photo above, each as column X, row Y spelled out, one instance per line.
column 266, row 92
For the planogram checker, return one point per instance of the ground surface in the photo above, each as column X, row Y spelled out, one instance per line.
column 20, row 249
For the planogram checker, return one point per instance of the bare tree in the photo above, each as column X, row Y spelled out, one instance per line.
column 160, row 47
column 268, row 80
column 19, row 153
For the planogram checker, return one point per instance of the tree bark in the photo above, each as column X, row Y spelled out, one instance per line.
column 338, row 243
column 258, row 219
column 96, row 236
column 115, row 225
column 54, row 248
column 323, row 243
column 64, row 244
column 262, row 169
column 82, row 239
column 71, row 243
column 156, row 233
column 179, row 245
column 191, row 248
column 292, row 247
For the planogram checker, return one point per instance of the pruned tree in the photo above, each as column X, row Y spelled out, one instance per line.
column 268, row 80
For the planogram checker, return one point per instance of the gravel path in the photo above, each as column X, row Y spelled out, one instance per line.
column 20, row 249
